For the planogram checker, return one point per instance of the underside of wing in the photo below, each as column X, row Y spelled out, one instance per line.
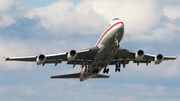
column 27, row 59
column 124, row 55
column 170, row 58
column 57, row 58
column 81, row 54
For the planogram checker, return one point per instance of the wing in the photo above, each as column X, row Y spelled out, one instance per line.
column 58, row 58
column 124, row 56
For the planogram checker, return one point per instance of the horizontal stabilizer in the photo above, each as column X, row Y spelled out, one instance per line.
column 76, row 76
column 100, row 76
column 68, row 76
column 4, row 58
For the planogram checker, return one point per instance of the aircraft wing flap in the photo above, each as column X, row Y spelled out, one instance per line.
column 62, row 56
column 53, row 61
column 81, row 54
column 88, row 54
column 78, row 62
column 142, row 61
column 126, row 54
column 123, row 53
column 67, row 76
column 121, row 61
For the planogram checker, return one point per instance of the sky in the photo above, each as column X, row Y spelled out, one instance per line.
column 33, row 27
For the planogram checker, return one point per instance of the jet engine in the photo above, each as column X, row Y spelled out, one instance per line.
column 158, row 59
column 71, row 55
column 139, row 55
column 40, row 59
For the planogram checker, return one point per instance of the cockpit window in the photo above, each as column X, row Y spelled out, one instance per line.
column 108, row 25
column 115, row 19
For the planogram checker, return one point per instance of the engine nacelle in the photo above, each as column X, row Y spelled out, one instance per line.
column 139, row 55
column 71, row 55
column 40, row 59
column 158, row 59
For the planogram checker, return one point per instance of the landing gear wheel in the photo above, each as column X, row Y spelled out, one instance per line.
column 104, row 71
column 94, row 71
column 119, row 69
column 107, row 71
column 97, row 70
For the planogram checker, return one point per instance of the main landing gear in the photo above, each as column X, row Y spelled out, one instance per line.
column 95, row 70
column 118, row 68
column 106, row 70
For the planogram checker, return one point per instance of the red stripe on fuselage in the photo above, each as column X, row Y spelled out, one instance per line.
column 107, row 31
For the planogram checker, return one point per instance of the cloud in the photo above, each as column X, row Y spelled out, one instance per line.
column 129, row 98
column 6, row 5
column 24, row 89
column 65, row 14
column 89, row 17
column 6, row 21
column 63, row 17
column 10, row 10
column 137, row 15
column 167, row 69
column 172, row 11
column 62, row 26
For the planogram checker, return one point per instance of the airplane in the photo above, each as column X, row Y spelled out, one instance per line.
column 92, row 60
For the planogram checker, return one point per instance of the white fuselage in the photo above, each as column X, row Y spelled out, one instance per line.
column 107, row 48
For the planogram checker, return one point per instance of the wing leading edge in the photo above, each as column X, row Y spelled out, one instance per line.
column 57, row 58
column 124, row 54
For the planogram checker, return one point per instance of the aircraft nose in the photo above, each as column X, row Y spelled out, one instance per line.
column 121, row 24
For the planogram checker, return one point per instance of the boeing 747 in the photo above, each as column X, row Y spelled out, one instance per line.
column 93, row 60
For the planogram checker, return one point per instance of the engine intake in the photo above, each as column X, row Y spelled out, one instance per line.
column 40, row 59
column 158, row 59
column 71, row 55
column 139, row 55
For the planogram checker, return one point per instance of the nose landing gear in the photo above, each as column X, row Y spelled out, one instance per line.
column 116, row 40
